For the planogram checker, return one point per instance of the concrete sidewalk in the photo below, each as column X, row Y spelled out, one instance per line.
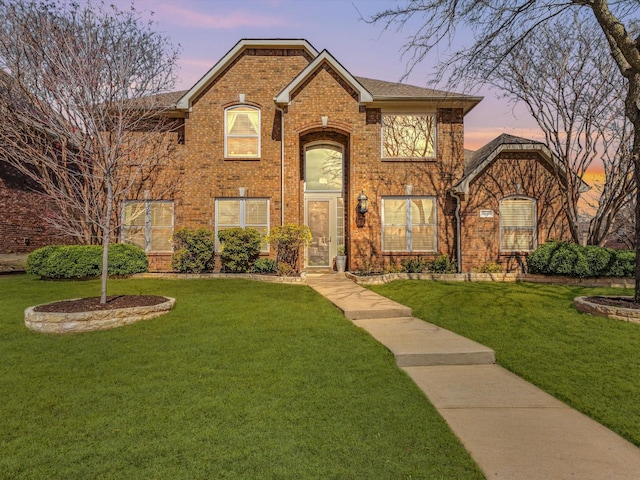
column 512, row 429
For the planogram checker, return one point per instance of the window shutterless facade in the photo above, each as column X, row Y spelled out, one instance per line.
column 408, row 136
column 148, row 224
column 243, row 213
column 518, row 224
column 409, row 224
column 242, row 132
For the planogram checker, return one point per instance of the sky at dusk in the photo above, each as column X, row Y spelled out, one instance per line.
column 207, row 29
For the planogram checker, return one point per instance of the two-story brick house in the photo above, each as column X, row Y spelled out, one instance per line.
column 277, row 132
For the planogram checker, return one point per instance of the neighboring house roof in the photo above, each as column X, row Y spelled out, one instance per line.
column 485, row 156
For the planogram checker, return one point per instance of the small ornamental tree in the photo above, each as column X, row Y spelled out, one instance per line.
column 287, row 240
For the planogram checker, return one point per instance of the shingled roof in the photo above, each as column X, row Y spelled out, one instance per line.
column 482, row 158
column 393, row 90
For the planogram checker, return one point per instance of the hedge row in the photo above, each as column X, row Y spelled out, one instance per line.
column 573, row 260
column 82, row 261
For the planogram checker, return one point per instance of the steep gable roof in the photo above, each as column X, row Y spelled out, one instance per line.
column 485, row 156
column 184, row 103
column 284, row 96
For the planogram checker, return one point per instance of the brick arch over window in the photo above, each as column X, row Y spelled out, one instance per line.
column 518, row 224
column 329, row 136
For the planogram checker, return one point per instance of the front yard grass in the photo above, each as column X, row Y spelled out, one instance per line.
column 591, row 363
column 241, row 380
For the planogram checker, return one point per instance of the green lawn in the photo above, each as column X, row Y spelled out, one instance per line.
column 590, row 362
column 241, row 380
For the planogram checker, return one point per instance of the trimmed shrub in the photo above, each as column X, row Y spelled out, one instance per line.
column 240, row 249
column 126, row 259
column 264, row 265
column 442, row 264
column 414, row 265
column 194, row 250
column 573, row 260
column 623, row 264
column 82, row 261
column 288, row 239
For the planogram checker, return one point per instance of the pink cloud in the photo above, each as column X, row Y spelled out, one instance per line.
column 222, row 20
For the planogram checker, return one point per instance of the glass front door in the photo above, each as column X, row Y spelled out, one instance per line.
column 318, row 220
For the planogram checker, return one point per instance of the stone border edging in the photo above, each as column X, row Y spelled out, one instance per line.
column 77, row 322
column 493, row 277
column 616, row 313
column 302, row 279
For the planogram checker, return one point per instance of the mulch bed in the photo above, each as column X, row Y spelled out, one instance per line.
column 621, row 302
column 91, row 304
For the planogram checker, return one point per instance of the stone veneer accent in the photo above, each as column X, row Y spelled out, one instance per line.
column 53, row 322
column 617, row 313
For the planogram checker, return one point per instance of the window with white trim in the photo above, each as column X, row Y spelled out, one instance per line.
column 148, row 224
column 242, row 132
column 243, row 213
column 517, row 224
column 409, row 224
column 408, row 136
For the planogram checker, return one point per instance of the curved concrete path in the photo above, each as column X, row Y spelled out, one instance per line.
column 512, row 429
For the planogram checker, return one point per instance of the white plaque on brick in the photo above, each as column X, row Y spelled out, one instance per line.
column 486, row 213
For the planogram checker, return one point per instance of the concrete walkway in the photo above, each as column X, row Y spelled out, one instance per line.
column 512, row 429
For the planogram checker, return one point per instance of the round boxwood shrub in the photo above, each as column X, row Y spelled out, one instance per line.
column 264, row 265
column 573, row 260
column 240, row 248
column 623, row 264
column 194, row 250
column 82, row 261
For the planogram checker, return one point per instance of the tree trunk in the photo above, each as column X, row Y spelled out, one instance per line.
column 106, row 235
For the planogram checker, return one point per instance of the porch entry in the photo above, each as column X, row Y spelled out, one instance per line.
column 323, row 202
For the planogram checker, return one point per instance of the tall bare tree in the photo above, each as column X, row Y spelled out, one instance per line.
column 500, row 26
column 573, row 89
column 79, row 104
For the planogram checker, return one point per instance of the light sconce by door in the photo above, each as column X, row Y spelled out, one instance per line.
column 363, row 203
column 325, row 120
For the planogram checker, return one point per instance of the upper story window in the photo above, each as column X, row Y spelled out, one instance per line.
column 409, row 224
column 148, row 224
column 408, row 136
column 242, row 132
column 517, row 224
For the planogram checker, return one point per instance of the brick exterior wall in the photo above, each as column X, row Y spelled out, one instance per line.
column 524, row 174
column 22, row 228
column 200, row 173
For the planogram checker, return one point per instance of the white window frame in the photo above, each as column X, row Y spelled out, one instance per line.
column 243, row 220
column 258, row 136
column 406, row 114
column 533, row 228
column 408, row 224
column 148, row 227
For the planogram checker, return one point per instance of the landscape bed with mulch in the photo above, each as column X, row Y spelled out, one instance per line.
column 90, row 304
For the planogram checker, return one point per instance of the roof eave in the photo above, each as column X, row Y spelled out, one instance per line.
column 469, row 103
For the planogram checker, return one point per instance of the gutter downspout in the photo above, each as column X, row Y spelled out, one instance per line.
column 455, row 195
column 281, row 110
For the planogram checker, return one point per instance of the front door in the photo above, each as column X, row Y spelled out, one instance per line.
column 323, row 204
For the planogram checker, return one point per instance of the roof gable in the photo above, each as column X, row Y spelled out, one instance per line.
column 486, row 155
column 185, row 102
column 284, row 97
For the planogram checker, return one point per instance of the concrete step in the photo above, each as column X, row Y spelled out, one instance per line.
column 417, row 343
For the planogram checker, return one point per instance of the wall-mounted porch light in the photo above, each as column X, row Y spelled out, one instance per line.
column 363, row 203
column 325, row 120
